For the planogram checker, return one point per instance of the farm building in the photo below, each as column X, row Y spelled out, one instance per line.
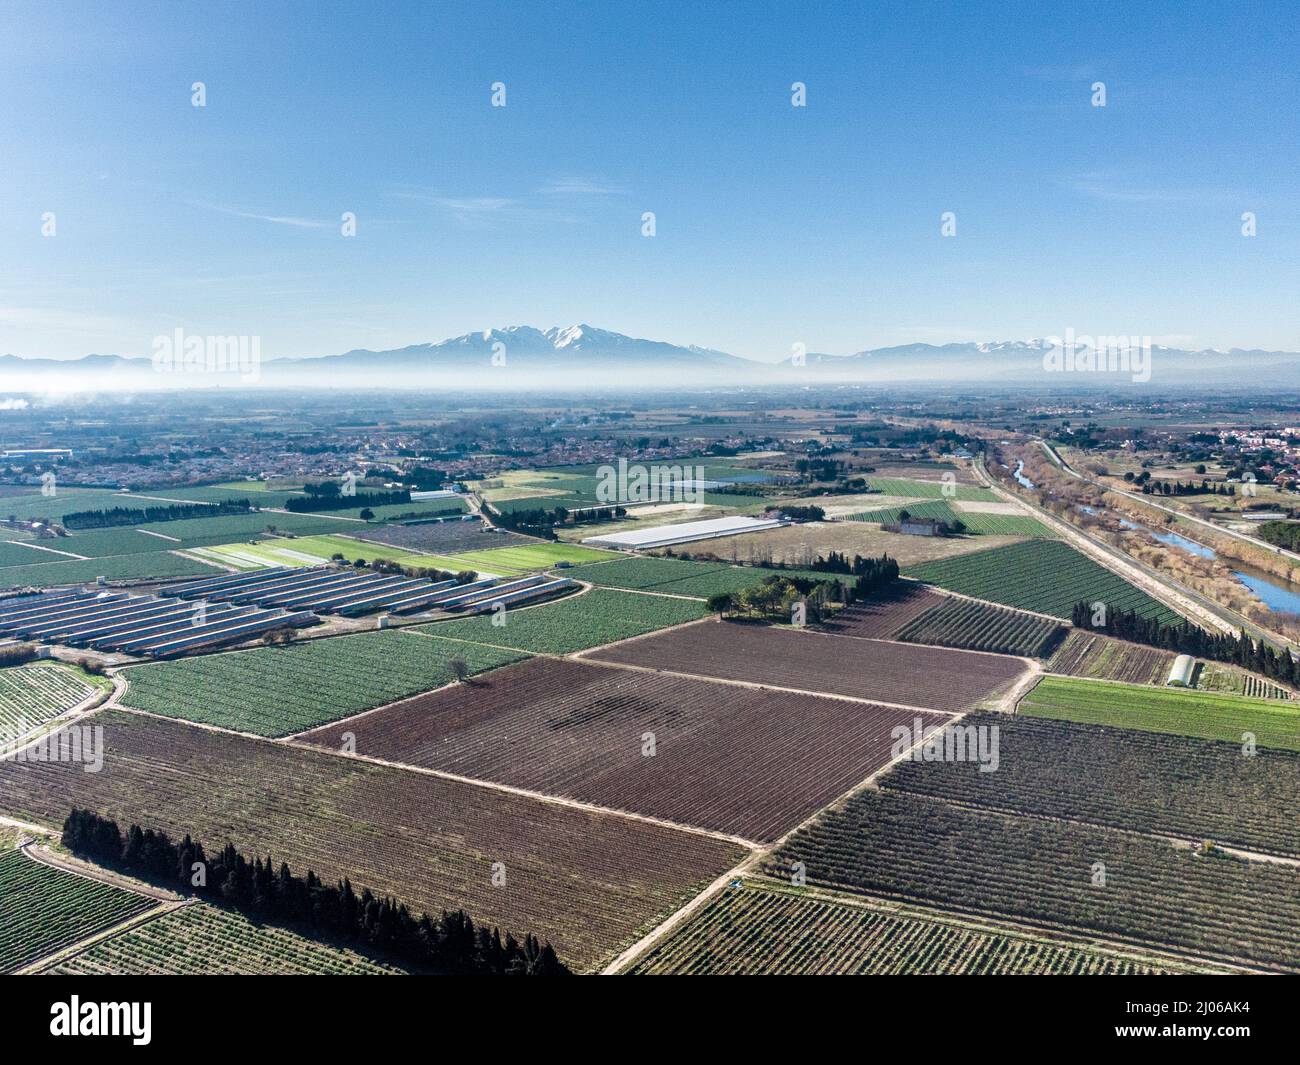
column 665, row 535
column 917, row 527
column 1180, row 673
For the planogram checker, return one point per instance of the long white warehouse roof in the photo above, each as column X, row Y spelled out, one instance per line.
column 663, row 535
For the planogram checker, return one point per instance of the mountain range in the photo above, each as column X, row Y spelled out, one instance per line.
column 582, row 356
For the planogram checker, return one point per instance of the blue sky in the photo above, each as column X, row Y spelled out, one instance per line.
column 775, row 225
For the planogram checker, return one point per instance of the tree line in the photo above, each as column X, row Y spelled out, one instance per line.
column 541, row 522
column 115, row 516
column 1189, row 639
column 450, row 943
column 336, row 500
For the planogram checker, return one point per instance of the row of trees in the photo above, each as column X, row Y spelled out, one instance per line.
column 1190, row 488
column 541, row 522
column 431, row 573
column 1186, row 638
column 449, row 943
column 335, row 500
column 115, row 516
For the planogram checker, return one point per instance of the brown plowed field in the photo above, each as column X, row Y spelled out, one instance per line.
column 881, row 618
column 1087, row 654
column 745, row 761
column 933, row 677
column 588, row 882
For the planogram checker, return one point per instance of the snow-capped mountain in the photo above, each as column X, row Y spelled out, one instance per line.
column 555, row 346
column 583, row 356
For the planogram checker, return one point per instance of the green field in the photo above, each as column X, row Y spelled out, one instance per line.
column 277, row 691
column 27, row 503
column 314, row 550
column 1046, row 576
column 911, row 489
column 24, row 551
column 576, row 487
column 597, row 617
column 33, row 694
column 531, row 557
column 119, row 567
column 1204, row 715
column 977, row 524
column 43, row 910
column 935, row 508
column 204, row 940
column 1004, row 525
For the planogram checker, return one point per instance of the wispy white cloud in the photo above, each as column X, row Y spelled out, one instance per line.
column 274, row 219
column 1118, row 188
column 573, row 186
column 488, row 211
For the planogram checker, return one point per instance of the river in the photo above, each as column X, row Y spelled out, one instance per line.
column 1019, row 474
column 1275, row 592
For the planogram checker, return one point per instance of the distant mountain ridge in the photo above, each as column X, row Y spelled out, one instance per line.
column 582, row 355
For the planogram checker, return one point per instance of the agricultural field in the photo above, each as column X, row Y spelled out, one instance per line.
column 671, row 576
column 579, row 731
column 276, row 691
column 217, row 493
column 798, row 545
column 930, row 489
column 881, row 616
column 117, row 568
column 28, row 503
column 161, row 537
column 1179, row 712
column 27, row 552
column 524, row 558
column 43, row 910
column 1118, row 778
column 761, row 929
column 982, row 524
column 937, row 509
column 1046, row 576
column 33, row 694
column 205, row 940
column 932, row 677
column 593, row 618
column 313, row 550
column 1216, row 677
column 1087, row 654
column 1155, row 893
column 959, row 622
column 589, row 882
column 439, row 538
column 415, row 509
column 576, row 487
